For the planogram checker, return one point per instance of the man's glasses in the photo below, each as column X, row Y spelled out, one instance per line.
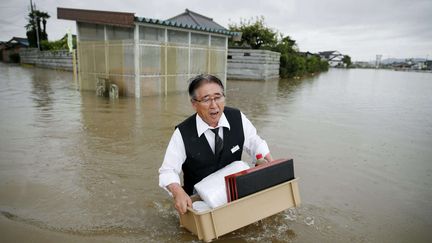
column 208, row 100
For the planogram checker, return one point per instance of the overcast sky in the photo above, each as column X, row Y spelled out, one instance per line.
column 358, row 28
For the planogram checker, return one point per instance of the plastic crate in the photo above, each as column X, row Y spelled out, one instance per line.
column 211, row 224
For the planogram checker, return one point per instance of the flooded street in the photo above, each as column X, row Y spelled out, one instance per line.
column 75, row 167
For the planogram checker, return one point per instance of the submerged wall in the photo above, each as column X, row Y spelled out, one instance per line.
column 248, row 64
column 47, row 59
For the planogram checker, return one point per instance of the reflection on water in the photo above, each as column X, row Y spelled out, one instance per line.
column 76, row 163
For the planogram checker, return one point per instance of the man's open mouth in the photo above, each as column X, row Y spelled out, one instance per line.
column 215, row 113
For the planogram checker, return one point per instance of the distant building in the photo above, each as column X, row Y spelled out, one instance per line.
column 360, row 64
column 308, row 54
column 378, row 61
column 2, row 47
column 428, row 64
column 334, row 58
column 145, row 56
column 419, row 65
column 10, row 49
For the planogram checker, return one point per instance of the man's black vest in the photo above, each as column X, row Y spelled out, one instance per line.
column 200, row 159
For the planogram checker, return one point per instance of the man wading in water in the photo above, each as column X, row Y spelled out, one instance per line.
column 207, row 141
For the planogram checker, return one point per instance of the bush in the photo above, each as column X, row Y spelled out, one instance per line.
column 258, row 36
column 56, row 45
column 255, row 34
column 295, row 65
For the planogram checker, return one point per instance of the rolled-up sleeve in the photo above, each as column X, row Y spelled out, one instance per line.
column 253, row 143
column 174, row 158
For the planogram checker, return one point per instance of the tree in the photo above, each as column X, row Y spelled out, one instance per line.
column 254, row 33
column 35, row 34
column 58, row 44
column 347, row 60
column 292, row 64
column 285, row 45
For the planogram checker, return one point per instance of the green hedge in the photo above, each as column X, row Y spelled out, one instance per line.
column 256, row 35
column 56, row 45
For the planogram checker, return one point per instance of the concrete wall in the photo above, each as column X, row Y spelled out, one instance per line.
column 248, row 64
column 47, row 59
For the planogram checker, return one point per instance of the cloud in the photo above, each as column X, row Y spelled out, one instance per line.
column 360, row 29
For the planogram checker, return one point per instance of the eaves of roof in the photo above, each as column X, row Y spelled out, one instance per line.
column 185, row 26
column 124, row 19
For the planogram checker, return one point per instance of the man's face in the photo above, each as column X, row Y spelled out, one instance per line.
column 209, row 103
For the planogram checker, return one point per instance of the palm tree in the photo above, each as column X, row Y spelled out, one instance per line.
column 34, row 32
column 44, row 16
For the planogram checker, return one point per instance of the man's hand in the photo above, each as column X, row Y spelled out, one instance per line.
column 268, row 157
column 181, row 198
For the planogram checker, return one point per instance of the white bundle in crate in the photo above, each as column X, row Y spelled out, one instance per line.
column 212, row 188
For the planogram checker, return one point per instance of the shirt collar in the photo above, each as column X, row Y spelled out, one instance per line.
column 202, row 126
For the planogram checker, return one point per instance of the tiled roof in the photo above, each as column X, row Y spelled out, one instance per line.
column 326, row 54
column 190, row 20
column 18, row 40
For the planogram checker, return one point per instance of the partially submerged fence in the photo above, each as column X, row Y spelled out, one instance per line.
column 47, row 59
column 248, row 64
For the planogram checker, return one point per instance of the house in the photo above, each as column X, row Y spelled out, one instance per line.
column 10, row 49
column 420, row 65
column 334, row 58
column 145, row 56
column 428, row 64
column 361, row 64
column 308, row 54
column 2, row 47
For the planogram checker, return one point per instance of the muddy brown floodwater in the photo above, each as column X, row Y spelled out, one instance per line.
column 75, row 167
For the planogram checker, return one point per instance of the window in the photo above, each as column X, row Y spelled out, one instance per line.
column 152, row 34
column 199, row 39
column 120, row 33
column 91, row 32
column 176, row 36
column 218, row 41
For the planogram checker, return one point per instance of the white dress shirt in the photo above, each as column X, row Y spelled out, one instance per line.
column 175, row 154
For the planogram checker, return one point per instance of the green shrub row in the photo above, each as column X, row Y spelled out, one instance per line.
column 256, row 35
